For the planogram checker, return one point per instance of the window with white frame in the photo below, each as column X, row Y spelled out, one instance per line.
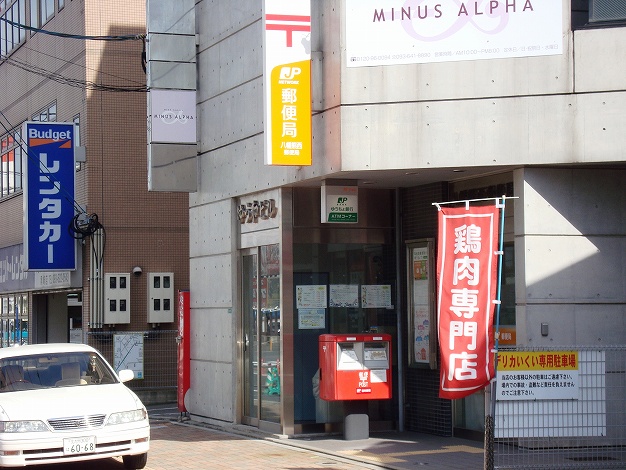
column 11, row 153
column 11, row 163
column 47, row 114
column 76, row 122
column 40, row 12
column 34, row 13
column 13, row 13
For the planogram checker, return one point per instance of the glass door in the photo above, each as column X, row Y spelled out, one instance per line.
column 250, row 383
column 269, row 333
column 261, row 335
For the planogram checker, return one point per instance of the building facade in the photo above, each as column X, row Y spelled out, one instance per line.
column 547, row 130
column 89, row 72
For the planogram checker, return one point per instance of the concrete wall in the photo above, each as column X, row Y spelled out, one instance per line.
column 570, row 241
column 12, row 227
column 505, row 112
column 57, row 318
column 553, row 109
column 533, row 110
column 213, row 268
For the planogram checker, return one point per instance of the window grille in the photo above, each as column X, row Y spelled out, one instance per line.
column 607, row 10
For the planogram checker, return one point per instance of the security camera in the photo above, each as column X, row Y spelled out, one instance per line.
column 137, row 271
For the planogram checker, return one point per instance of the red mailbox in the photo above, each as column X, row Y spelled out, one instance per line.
column 355, row 367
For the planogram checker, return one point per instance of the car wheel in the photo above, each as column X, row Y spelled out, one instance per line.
column 135, row 461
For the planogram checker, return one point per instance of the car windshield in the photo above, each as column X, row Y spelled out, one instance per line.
column 54, row 370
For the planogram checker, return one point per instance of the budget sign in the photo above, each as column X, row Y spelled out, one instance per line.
column 49, row 196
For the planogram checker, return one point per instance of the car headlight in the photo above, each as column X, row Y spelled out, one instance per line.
column 127, row 416
column 22, row 426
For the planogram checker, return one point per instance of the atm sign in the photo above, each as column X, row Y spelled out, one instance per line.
column 340, row 204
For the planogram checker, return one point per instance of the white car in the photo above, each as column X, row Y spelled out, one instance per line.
column 64, row 403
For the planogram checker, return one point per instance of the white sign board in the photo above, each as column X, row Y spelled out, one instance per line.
column 538, row 401
column 172, row 116
column 52, row 279
column 128, row 353
column 391, row 32
column 536, row 385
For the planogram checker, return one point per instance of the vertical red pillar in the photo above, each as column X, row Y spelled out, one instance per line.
column 183, row 382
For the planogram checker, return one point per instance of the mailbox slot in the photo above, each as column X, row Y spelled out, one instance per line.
column 376, row 355
column 349, row 356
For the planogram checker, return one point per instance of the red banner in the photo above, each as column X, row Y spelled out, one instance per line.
column 467, row 287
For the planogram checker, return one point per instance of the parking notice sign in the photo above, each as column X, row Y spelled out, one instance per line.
column 538, row 375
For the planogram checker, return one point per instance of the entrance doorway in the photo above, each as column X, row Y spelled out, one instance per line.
column 57, row 318
column 13, row 320
column 260, row 321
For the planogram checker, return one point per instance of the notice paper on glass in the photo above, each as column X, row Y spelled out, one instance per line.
column 376, row 296
column 311, row 318
column 311, row 296
column 344, row 295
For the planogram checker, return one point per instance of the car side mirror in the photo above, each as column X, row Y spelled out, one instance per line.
column 125, row 375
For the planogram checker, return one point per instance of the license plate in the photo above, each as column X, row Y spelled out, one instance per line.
column 79, row 445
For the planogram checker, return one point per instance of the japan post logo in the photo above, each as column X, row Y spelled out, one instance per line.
column 289, row 73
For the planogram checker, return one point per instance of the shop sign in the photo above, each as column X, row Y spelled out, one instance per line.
column 173, row 116
column 287, row 82
column 13, row 276
column 251, row 212
column 52, row 280
column 49, row 196
column 508, row 336
column 340, row 204
column 398, row 32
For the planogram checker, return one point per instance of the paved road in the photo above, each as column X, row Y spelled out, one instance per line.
column 189, row 445
column 180, row 446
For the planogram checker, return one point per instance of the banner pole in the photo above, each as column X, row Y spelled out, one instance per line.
column 499, row 287
column 490, row 394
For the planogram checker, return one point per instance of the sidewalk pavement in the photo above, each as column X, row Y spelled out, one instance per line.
column 399, row 451
column 196, row 445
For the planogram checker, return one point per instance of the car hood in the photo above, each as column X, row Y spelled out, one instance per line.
column 64, row 402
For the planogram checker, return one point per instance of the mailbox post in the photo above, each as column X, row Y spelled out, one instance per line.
column 354, row 368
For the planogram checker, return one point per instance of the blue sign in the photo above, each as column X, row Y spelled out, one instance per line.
column 49, row 196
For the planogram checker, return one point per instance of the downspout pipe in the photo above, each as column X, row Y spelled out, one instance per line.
column 399, row 258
